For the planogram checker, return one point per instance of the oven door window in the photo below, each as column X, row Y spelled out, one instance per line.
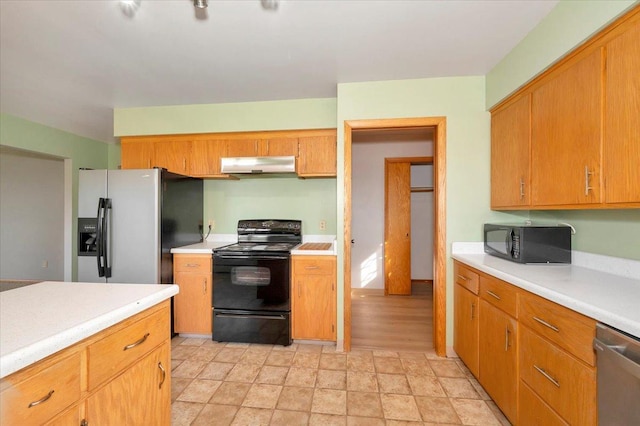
column 250, row 276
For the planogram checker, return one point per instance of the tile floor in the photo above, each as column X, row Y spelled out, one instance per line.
column 240, row 384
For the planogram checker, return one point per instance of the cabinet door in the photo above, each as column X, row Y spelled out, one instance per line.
column 498, row 361
column 317, row 156
column 139, row 396
column 279, row 147
column 510, row 149
column 314, row 315
column 243, row 148
column 566, row 136
column 206, row 155
column 136, row 154
column 173, row 156
column 622, row 119
column 465, row 340
column 192, row 306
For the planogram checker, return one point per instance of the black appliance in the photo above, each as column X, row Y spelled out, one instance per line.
column 528, row 243
column 251, row 283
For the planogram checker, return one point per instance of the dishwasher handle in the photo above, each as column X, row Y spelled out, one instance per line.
column 615, row 355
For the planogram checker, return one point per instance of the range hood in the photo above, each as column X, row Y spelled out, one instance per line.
column 258, row 165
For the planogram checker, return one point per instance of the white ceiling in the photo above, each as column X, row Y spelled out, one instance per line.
column 68, row 64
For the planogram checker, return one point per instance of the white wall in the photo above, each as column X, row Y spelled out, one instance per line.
column 368, row 153
column 31, row 216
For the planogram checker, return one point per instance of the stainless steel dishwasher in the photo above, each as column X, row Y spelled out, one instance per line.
column 618, row 361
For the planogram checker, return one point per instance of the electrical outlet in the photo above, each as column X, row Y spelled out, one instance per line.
column 45, row 263
column 323, row 225
column 212, row 224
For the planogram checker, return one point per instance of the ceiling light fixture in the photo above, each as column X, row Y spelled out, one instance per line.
column 200, row 4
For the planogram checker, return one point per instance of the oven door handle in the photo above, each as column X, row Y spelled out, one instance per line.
column 223, row 256
column 266, row 317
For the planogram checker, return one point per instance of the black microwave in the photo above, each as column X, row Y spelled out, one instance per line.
column 528, row 243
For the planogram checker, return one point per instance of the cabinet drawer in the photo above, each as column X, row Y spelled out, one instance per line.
column 568, row 329
column 534, row 411
column 192, row 263
column 563, row 382
column 117, row 351
column 499, row 294
column 56, row 387
column 466, row 277
column 307, row 265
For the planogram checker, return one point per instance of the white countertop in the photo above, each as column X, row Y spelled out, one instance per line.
column 604, row 296
column 41, row 319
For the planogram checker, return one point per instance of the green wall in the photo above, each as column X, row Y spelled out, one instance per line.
column 309, row 200
column 79, row 151
column 566, row 26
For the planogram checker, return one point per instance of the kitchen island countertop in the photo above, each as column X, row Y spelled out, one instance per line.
column 41, row 319
column 608, row 295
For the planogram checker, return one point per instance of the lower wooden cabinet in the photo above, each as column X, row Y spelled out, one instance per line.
column 119, row 376
column 534, row 357
column 313, row 298
column 193, row 273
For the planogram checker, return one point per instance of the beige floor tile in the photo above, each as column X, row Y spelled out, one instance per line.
column 446, row 368
column 425, row 386
column 177, row 386
column 272, row 375
column 332, row 379
column 464, row 368
column 404, row 423
column 478, row 387
column 182, row 351
column 252, row 416
column 262, row 396
column 216, row 414
column 362, row 381
column 205, row 353
column 308, row 347
column 230, row 393
column 364, row 353
column 291, row 348
column 474, row 412
column 183, row 413
column 458, row 388
column 209, row 342
column 386, row 354
column 229, row 354
column 329, row 401
column 318, row 419
column 393, row 383
column 259, row 347
column 306, row 359
column 188, row 369
column 399, row 407
column 412, row 355
column 289, row 418
column 280, row 359
column 175, row 363
column 330, row 349
column 199, row 391
column 295, row 398
column 238, row 345
column 254, row 357
column 417, row 367
column 364, row 421
column 360, row 363
column 215, row 370
column 246, row 373
column 302, row 377
column 388, row 365
column 365, row 404
column 192, row 341
column 436, row 410
column 333, row 361
column 176, row 341
column 499, row 414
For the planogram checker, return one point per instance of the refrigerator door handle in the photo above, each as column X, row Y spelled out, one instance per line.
column 107, row 238
column 100, row 237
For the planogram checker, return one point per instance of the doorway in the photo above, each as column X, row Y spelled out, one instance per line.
column 439, row 284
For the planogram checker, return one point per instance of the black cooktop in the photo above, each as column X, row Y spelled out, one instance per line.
column 258, row 247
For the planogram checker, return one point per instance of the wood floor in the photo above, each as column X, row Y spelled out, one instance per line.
column 398, row 323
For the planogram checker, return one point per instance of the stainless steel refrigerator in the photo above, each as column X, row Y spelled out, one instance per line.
column 128, row 221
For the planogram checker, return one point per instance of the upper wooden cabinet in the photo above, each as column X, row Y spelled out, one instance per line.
column 569, row 138
column 510, row 149
column 199, row 155
column 622, row 118
column 317, row 156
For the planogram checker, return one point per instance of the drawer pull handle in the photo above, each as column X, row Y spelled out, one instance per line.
column 311, row 267
column 462, row 277
column 492, row 294
column 506, row 339
column 547, row 375
column 546, row 324
column 41, row 400
column 204, row 286
column 134, row 344
column 192, row 265
column 164, row 375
